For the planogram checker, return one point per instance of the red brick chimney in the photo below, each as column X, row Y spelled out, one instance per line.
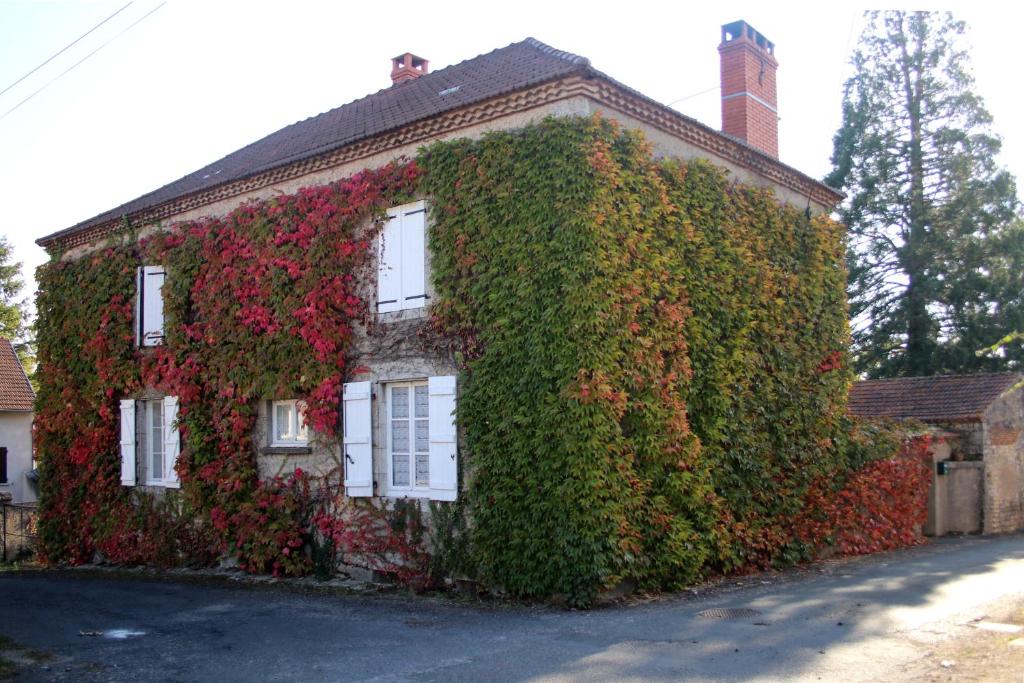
column 749, row 102
column 407, row 67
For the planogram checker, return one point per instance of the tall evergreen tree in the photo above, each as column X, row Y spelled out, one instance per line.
column 936, row 241
column 13, row 316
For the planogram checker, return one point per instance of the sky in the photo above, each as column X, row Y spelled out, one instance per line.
column 168, row 93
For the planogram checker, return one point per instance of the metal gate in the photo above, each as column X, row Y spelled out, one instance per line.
column 17, row 530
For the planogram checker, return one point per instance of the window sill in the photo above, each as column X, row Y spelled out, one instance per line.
column 412, row 493
column 286, row 450
column 416, row 313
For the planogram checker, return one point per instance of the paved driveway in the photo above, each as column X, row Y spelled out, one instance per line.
column 867, row 619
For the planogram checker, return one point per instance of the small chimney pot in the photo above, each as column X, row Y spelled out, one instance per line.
column 407, row 67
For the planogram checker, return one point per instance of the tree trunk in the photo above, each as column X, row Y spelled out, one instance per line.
column 919, row 349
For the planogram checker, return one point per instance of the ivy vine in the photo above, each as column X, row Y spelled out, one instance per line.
column 653, row 386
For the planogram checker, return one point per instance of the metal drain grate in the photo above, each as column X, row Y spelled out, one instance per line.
column 728, row 613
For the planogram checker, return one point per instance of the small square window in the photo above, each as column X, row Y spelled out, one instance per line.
column 288, row 426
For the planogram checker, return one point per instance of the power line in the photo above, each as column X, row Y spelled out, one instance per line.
column 58, row 54
column 702, row 92
column 50, row 82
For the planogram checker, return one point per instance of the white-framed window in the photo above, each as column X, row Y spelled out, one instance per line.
column 402, row 262
column 288, row 423
column 150, row 439
column 149, row 306
column 408, row 436
column 416, row 422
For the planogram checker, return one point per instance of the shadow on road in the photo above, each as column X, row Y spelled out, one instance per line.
column 801, row 620
column 827, row 620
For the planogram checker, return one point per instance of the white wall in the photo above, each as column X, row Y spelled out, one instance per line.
column 16, row 436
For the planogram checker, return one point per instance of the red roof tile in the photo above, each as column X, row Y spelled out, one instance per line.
column 943, row 398
column 15, row 391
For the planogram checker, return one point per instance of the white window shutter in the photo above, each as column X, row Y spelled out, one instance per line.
column 152, row 305
column 414, row 257
column 128, row 442
column 138, row 306
column 357, row 446
column 389, row 265
column 444, row 462
column 172, row 441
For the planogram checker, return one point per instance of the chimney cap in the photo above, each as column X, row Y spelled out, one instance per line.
column 415, row 60
column 741, row 30
column 408, row 66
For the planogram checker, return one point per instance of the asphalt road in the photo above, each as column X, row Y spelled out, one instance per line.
column 866, row 619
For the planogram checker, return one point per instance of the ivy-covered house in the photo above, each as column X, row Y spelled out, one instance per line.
column 603, row 340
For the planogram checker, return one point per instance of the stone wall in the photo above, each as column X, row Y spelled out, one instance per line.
column 1003, row 506
column 397, row 348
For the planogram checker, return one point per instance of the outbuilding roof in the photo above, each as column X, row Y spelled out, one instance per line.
column 517, row 67
column 15, row 391
column 942, row 398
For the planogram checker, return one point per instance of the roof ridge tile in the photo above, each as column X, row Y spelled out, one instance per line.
column 561, row 54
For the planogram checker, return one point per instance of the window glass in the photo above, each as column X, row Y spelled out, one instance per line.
column 400, row 435
column 421, row 400
column 300, row 428
column 282, row 421
column 155, row 428
column 288, row 423
column 409, row 435
column 422, row 436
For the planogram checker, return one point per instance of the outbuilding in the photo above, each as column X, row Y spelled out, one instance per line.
column 979, row 452
column 16, row 399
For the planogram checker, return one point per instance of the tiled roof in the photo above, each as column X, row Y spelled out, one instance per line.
column 15, row 391
column 517, row 67
column 520, row 65
column 944, row 398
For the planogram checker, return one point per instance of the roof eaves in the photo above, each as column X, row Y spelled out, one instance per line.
column 56, row 237
column 838, row 195
column 120, row 212
column 583, row 67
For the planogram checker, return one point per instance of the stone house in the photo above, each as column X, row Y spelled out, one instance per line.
column 16, row 405
column 413, row 393
column 978, row 479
